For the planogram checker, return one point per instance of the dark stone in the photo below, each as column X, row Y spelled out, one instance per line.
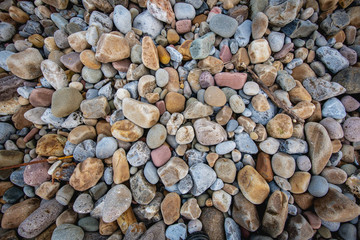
column 299, row 28
column 349, row 78
column 12, row 195
column 8, row 87
column 213, row 223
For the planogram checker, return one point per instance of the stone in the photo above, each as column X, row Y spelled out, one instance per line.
column 214, row 96
column 117, row 201
column 18, row 212
column 65, row 101
column 175, row 102
column 334, row 175
column 120, row 165
column 185, row 135
column 209, row 133
column 68, row 231
column 170, row 208
column 320, row 89
column 221, row 200
column 203, row 177
column 138, row 154
column 156, row 231
column 259, row 25
column 150, row 56
column 6, row 130
column 283, row 165
column 276, row 41
column 51, row 145
column 284, row 13
column 350, row 103
column 25, row 64
column 142, row 191
column 280, row 126
column 318, row 138
column 161, row 155
column 200, row 48
column 111, row 48
column 7, row 31
column 218, row 22
column 126, row 131
column 333, row 128
column 225, row 170
column 81, row 133
column 41, row 97
column 259, row 51
column 245, row 144
column 348, row 79
column 83, row 204
column 225, row 147
column 106, row 147
column 333, row 108
column 72, row 61
column 318, row 186
column 190, row 209
column 95, row 108
column 243, row 33
column 232, row 230
column 64, row 195
column 336, row 207
column 298, row 228
column 122, row 19
column 299, row 182
column 87, row 174
column 54, row 74
column 36, row 174
column 213, row 223
column 212, row 64
column 47, row 190
column 173, row 171
column 196, row 110
column 252, row 185
column 233, row 80
column 299, row 28
column 40, row 219
column 161, row 10
column 275, row 214
column 332, row 59
column 142, row 114
column 10, row 84
column 351, row 128
column 184, row 11
column 156, row 136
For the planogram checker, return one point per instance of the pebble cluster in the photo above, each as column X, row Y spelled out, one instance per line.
column 168, row 134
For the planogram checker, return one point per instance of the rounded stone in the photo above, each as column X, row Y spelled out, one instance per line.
column 156, row 136
column 352, row 129
column 318, row 186
column 106, row 147
column 126, row 131
column 215, row 97
column 175, row 102
column 280, row 126
column 68, row 231
column 283, row 165
column 65, row 101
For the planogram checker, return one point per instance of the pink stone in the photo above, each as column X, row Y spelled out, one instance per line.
column 313, row 219
column 161, row 155
column 161, row 106
column 122, row 65
column 282, row 53
column 350, row 103
column 349, row 54
column 206, row 79
column 36, row 174
column 72, row 61
column 183, row 26
column 352, row 129
column 225, row 54
column 41, row 97
column 213, row 12
column 234, row 80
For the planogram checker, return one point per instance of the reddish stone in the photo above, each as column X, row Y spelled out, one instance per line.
column 72, row 61
column 233, row 80
column 285, row 50
column 18, row 118
column 161, row 106
column 161, row 155
column 225, row 54
column 313, row 219
column 41, row 97
column 122, row 65
column 206, row 79
column 350, row 103
column 31, row 134
column 183, row 26
column 36, row 174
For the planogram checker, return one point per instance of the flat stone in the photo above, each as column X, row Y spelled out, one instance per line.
column 173, row 171
column 111, row 48
column 54, row 74
column 142, row 114
column 243, row 33
column 332, row 59
column 200, row 47
column 117, row 201
column 299, row 228
column 126, row 131
column 348, row 79
column 218, row 22
column 25, row 64
column 203, row 177
column 149, row 56
column 51, row 145
column 142, row 191
column 87, row 174
column 170, row 208
column 209, row 133
column 138, row 154
column 95, row 108
column 320, row 89
column 65, row 101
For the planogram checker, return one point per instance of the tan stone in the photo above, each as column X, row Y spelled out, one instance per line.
column 142, row 114
column 172, row 36
column 259, row 51
column 211, row 158
column 111, row 48
column 336, row 207
column 338, row 176
column 266, row 73
column 197, row 110
column 253, row 185
column 121, row 172
column 214, row 96
column 353, row 183
column 47, row 190
column 299, row 228
column 107, row 229
column 175, row 102
column 244, row 213
column 9, row 107
column 304, row 200
column 193, row 79
column 146, row 85
column 77, row 41
column 280, row 126
column 224, row 115
column 173, row 171
column 190, row 209
column 81, row 133
column 241, row 58
column 126, row 131
column 18, row 15
column 299, row 93
column 18, row 212
column 211, row 64
column 59, row 4
column 299, row 182
column 4, row 186
column 26, row 64
column 95, row 108
column 184, row 49
column 51, row 145
column 304, row 109
column 87, row 174
column 68, row 216
column 87, row 57
column 275, row 214
column 185, row 135
column 263, row 166
column 260, row 103
column 302, row 72
column 150, row 55
column 173, row 84
column 208, row 132
column 170, row 208
column 126, row 219
column 225, row 170
column 221, row 200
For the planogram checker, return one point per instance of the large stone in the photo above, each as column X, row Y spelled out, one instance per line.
column 142, row 191
column 336, row 207
column 87, row 174
column 332, row 59
column 126, row 131
column 65, row 101
column 275, row 214
column 213, row 223
column 54, row 74
column 320, row 89
column 208, row 132
column 10, row 157
column 170, row 208
column 349, row 79
column 298, row 228
column 112, row 48
column 161, row 9
column 244, row 213
column 117, row 201
column 150, row 57
column 95, row 108
column 142, row 114
column 280, row 126
column 9, row 86
column 253, row 185
column 284, row 13
column 200, row 47
column 320, row 147
column 173, row 171
column 148, row 24
column 81, row 133
column 25, row 64
column 259, row 51
column 197, row 109
column 51, row 145
column 120, row 166
column 203, row 177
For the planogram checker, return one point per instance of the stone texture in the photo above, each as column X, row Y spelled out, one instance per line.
column 142, row 114
column 209, row 133
column 126, row 131
column 111, row 48
column 280, row 126
column 173, row 171
column 51, row 145
column 117, row 201
column 25, row 64
column 142, row 191
column 149, row 55
column 170, row 208
column 65, row 101
column 213, row 223
column 87, row 174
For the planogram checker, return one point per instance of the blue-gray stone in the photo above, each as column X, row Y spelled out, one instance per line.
column 231, row 125
column 335, row 158
column 225, row 147
column 348, row 231
column 25, row 91
column 276, row 41
column 17, row 177
column 6, row 130
column 335, row 22
column 294, row 146
column 217, row 185
column 148, row 24
column 245, row 144
column 318, row 186
column 299, row 28
column 185, row 184
column 203, row 177
column 138, row 154
column 89, row 224
column 4, row 55
column 150, row 173
column 175, row 55
column 29, row 191
column 106, row 147
column 263, row 117
column 232, row 229
column 320, row 89
column 92, row 93
column 32, row 27
column 45, row 83
column 219, row 21
column 59, row 21
column 333, row 108
column 200, row 48
column 84, row 150
column 7, row 31
column 101, row 20
column 196, row 3
column 194, row 156
column 173, row 188
column 332, row 59
column 49, row 118
column 132, row 88
column 273, row 186
column 67, row 231
column 292, row 210
column 106, row 91
column 73, row 120
column 285, row 80
column 332, row 226
column 69, row 148
column 184, row 11
column 122, row 19
column 176, row 231
column 243, row 33
column 108, row 175
column 294, row 63
column 234, row 46
column 27, row 6
column 13, row 194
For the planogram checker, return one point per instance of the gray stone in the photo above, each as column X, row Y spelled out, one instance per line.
column 69, row 148
column 348, row 231
column 243, row 33
column 176, row 231
column 83, row 204
column 84, row 150
column 333, row 108
column 194, row 156
column 184, row 11
column 285, row 80
column 138, row 154
column 150, row 173
column 320, row 89
column 6, row 130
column 3, row 57
column 91, row 75
column 12, row 195
column 232, row 230
column 106, row 147
column 61, row 39
column 67, row 231
column 218, row 22
column 49, row 118
column 174, row 54
column 185, row 184
column 122, row 19
column 117, row 201
column 7, row 31
column 17, row 177
column 108, row 175
column 332, row 59
column 245, row 144
column 98, row 190
column 156, row 231
column 64, row 195
column 101, row 20
column 89, row 224
column 142, row 191
column 299, row 28
column 217, row 185
column 335, row 22
column 318, row 186
column 203, row 177
column 276, row 41
column 225, row 147
column 200, row 48
column 294, row 146
column 73, row 120
column 263, row 117
column 148, row 24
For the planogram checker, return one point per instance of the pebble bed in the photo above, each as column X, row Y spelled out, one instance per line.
column 168, row 119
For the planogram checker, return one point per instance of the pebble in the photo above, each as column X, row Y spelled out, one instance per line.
column 173, row 171
column 203, row 177
column 117, row 201
column 176, row 231
column 218, row 22
column 207, row 138
column 351, row 129
column 333, row 108
column 200, row 48
column 106, row 147
column 148, row 24
column 138, row 154
column 184, row 11
column 87, row 174
column 142, row 114
column 122, row 19
column 83, row 204
column 276, row 41
column 142, row 191
column 68, row 231
column 31, row 59
column 332, row 59
column 243, row 33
